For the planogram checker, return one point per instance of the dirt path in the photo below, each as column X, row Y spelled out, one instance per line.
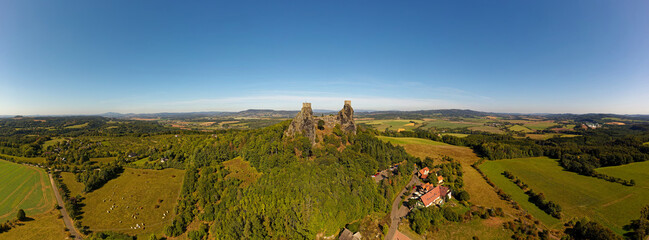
column 398, row 209
column 66, row 218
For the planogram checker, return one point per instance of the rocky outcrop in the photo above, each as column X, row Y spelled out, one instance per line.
column 303, row 123
column 346, row 118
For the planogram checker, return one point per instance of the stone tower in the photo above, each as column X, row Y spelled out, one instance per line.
column 346, row 117
column 303, row 123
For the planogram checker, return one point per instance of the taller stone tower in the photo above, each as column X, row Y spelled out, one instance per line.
column 346, row 117
column 303, row 123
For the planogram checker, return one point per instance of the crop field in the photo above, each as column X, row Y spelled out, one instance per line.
column 45, row 226
column 548, row 136
column 34, row 160
column 23, row 187
column 138, row 197
column 242, row 170
column 488, row 129
column 439, row 123
column 611, row 204
column 519, row 128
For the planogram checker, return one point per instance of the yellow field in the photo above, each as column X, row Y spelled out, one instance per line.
column 44, row 226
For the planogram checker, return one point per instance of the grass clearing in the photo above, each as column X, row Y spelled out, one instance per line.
column 23, row 187
column 53, row 142
column 242, row 170
column 143, row 193
column 611, row 204
column 70, row 181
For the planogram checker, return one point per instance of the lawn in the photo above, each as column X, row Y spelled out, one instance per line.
column 23, row 187
column 34, row 160
column 609, row 203
column 242, row 170
column 44, row 226
column 137, row 196
column 408, row 140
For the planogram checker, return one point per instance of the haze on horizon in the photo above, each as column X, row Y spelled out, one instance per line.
column 89, row 57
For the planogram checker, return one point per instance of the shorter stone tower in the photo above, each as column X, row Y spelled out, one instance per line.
column 346, row 117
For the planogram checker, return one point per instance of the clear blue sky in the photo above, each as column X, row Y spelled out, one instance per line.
column 87, row 57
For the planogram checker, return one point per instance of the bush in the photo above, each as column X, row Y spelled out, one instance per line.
column 463, row 196
column 21, row 215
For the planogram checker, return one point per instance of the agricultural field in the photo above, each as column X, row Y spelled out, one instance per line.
column 611, row 204
column 138, row 197
column 74, row 186
column 242, row 170
column 45, row 226
column 83, row 125
column 460, row 135
column 488, row 129
column 440, row 123
column 519, row 128
column 53, row 142
column 394, row 125
column 408, row 140
column 24, row 187
column 546, row 136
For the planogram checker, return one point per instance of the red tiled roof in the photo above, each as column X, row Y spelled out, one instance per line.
column 436, row 193
column 424, row 171
column 440, row 178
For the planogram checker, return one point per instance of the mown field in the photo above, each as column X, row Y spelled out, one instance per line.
column 137, row 196
column 611, row 204
column 481, row 193
column 23, row 187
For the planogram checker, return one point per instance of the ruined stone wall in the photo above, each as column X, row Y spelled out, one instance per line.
column 303, row 123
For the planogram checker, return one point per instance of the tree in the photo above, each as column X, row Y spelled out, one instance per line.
column 21, row 215
column 463, row 196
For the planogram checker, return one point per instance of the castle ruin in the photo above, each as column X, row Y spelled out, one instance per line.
column 306, row 124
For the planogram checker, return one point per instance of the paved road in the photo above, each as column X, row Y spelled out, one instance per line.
column 66, row 218
column 399, row 210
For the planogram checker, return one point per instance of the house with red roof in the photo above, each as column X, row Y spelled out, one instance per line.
column 436, row 196
column 423, row 173
column 440, row 179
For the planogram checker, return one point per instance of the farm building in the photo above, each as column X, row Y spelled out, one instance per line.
column 436, row 196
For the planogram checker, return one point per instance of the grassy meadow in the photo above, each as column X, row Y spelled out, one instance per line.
column 611, row 204
column 519, row 128
column 34, row 160
column 24, row 187
column 137, row 196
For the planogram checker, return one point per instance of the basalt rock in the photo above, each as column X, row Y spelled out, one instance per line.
column 303, row 123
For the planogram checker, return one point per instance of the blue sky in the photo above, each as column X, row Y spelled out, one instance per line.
column 87, row 57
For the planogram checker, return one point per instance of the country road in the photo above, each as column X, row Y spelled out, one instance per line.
column 398, row 209
column 66, row 218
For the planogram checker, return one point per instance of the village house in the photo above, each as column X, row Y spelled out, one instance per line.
column 348, row 235
column 437, row 196
column 440, row 179
column 423, row 173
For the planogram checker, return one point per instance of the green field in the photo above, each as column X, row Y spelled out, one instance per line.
column 394, row 125
column 23, row 159
column 408, row 140
column 519, row 128
column 460, row 135
column 147, row 193
column 83, row 125
column 23, row 187
column 242, row 170
column 52, row 142
column 609, row 203
column 539, row 125
column 488, row 129
column 449, row 124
